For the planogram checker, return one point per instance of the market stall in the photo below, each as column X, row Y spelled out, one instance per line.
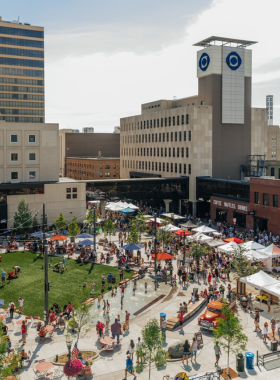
column 273, row 253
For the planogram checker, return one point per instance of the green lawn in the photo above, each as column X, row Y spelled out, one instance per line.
column 63, row 286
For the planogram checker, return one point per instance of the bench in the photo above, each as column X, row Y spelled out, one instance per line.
column 136, row 276
column 262, row 359
column 90, row 300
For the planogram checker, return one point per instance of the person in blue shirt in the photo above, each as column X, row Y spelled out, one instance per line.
column 129, row 368
column 3, row 276
column 110, row 277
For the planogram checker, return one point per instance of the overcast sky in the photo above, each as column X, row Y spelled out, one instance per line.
column 103, row 59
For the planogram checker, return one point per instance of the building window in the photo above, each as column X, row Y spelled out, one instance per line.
column 185, row 135
column 169, row 152
column 190, row 135
column 185, row 169
column 180, row 136
column 165, row 121
column 32, row 157
column 68, row 196
column 149, row 165
column 145, row 165
column 161, row 122
column 114, row 174
column 165, row 152
column 31, row 138
column 173, row 121
column 107, row 174
column 190, row 169
column 159, row 166
column 202, row 102
column 171, row 167
column 169, row 121
column 182, row 120
column 74, row 196
column 178, row 152
column 187, row 152
column 159, row 137
column 163, row 137
column 101, row 175
column 161, row 152
column 68, row 190
column 74, row 190
column 14, row 175
column 265, row 199
column 175, row 168
column 152, row 166
column 167, row 166
column 158, row 123
column 175, row 136
column 152, row 138
column 32, row 175
column 182, row 151
column 171, row 136
column 173, row 152
column 115, row 167
column 163, row 166
column 180, row 168
column 272, row 172
column 257, row 198
column 178, row 120
column 14, row 138
column 275, row 200
column 14, row 157
column 167, row 137
column 101, row 167
column 187, row 119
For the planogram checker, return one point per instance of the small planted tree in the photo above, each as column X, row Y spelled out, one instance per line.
column 73, row 229
column 229, row 333
column 151, row 348
column 164, row 235
column 7, row 363
column 197, row 250
column 60, row 222
column 82, row 316
column 133, row 235
column 140, row 223
column 90, row 217
column 23, row 217
column 109, row 227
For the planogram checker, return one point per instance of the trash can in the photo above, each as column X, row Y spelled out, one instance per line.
column 249, row 360
column 162, row 317
column 274, row 345
column 240, row 363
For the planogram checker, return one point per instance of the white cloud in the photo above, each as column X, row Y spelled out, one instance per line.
column 97, row 89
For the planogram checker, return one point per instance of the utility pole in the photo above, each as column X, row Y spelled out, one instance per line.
column 155, row 245
column 94, row 237
column 45, row 252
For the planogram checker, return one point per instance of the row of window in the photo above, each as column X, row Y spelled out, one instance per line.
column 156, row 152
column 4, row 103
column 22, row 52
column 31, row 175
column 91, row 174
column 10, row 111
column 21, row 42
column 32, row 82
column 21, row 96
column 74, row 196
column 21, row 72
column 89, row 166
column 166, row 121
column 265, row 201
column 31, row 157
column 22, row 89
column 21, row 62
column 158, row 166
column 31, row 138
column 21, row 32
column 158, row 137
column 22, row 119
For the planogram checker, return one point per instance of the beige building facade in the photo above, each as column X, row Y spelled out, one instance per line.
column 29, row 152
column 68, row 198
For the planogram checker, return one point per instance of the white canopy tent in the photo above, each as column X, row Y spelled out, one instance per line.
column 170, row 227
column 229, row 247
column 199, row 237
column 204, row 229
column 256, row 255
column 252, row 245
column 158, row 220
column 259, row 280
column 215, row 243
column 216, row 233
column 131, row 205
column 273, row 289
column 271, row 251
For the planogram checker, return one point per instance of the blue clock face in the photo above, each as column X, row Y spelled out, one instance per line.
column 233, row 60
column 204, row 61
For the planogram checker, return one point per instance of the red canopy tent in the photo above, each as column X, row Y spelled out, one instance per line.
column 183, row 233
column 236, row 240
column 162, row 256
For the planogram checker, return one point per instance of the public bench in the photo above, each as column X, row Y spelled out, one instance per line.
column 90, row 300
column 265, row 358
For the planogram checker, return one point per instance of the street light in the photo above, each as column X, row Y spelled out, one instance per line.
column 94, row 233
column 69, row 341
column 155, row 245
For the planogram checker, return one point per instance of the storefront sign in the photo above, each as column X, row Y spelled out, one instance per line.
column 230, row 205
column 251, row 212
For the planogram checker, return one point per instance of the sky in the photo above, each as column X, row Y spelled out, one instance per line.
column 103, row 59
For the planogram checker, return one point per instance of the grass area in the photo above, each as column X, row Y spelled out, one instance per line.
column 63, row 286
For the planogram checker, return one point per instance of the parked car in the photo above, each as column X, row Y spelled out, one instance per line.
column 208, row 320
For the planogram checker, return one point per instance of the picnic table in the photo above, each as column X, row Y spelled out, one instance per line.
column 49, row 328
column 106, row 341
column 44, row 366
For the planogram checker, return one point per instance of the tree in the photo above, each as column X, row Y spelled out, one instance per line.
column 23, row 217
column 151, row 348
column 229, row 333
column 35, row 223
column 133, row 235
column 109, row 227
column 90, row 217
column 82, row 317
column 164, row 235
column 197, row 250
column 7, row 364
column 140, row 223
column 60, row 222
column 243, row 265
column 73, row 228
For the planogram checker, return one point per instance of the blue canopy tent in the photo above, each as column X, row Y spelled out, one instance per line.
column 127, row 210
column 39, row 234
column 85, row 242
column 84, row 236
column 132, row 247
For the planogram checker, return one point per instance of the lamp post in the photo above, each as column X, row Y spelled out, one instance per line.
column 69, row 341
column 45, row 252
column 94, row 233
column 155, row 245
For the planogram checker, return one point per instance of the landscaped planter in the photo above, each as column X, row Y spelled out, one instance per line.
column 63, row 358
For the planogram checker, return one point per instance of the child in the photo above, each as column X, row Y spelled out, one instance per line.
column 104, row 306
column 146, row 286
column 122, row 289
column 134, row 288
column 108, row 305
column 113, row 293
column 124, row 327
column 102, row 290
column 99, row 299
column 116, row 288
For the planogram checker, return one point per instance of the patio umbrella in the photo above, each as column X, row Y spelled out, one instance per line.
column 204, row 229
column 189, row 224
column 183, row 233
column 59, row 237
column 127, row 210
column 131, row 205
column 132, row 247
column 169, row 227
column 85, row 242
column 39, row 234
column 84, row 236
column 162, row 256
column 236, row 240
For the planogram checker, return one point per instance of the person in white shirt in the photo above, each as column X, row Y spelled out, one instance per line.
column 21, row 301
column 265, row 328
column 11, row 306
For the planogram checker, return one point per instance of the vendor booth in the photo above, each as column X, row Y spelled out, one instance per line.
column 273, row 253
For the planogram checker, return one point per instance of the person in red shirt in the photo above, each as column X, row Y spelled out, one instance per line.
column 122, row 288
column 99, row 328
column 181, row 319
column 23, row 331
column 209, row 278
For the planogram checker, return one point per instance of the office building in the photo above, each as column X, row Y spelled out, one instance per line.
column 88, row 168
column 21, row 72
column 212, row 134
column 86, row 145
column 88, row 130
column 29, row 152
column 269, row 106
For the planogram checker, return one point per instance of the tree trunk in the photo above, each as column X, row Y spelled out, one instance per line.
column 228, row 364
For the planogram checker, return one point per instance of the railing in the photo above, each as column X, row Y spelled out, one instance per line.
column 207, row 376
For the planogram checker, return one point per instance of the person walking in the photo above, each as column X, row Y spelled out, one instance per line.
column 181, row 319
column 273, row 326
column 23, row 331
column 21, row 301
column 218, row 353
column 3, row 277
column 186, row 351
column 99, row 328
column 116, row 330
column 121, row 274
column 257, row 321
column 131, row 348
column 12, row 308
column 265, row 331
column 194, row 350
column 129, row 368
column 107, row 319
column 127, row 315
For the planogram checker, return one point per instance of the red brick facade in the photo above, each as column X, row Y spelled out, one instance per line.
column 92, row 168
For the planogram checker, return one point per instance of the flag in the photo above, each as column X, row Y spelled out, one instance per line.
column 75, row 350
